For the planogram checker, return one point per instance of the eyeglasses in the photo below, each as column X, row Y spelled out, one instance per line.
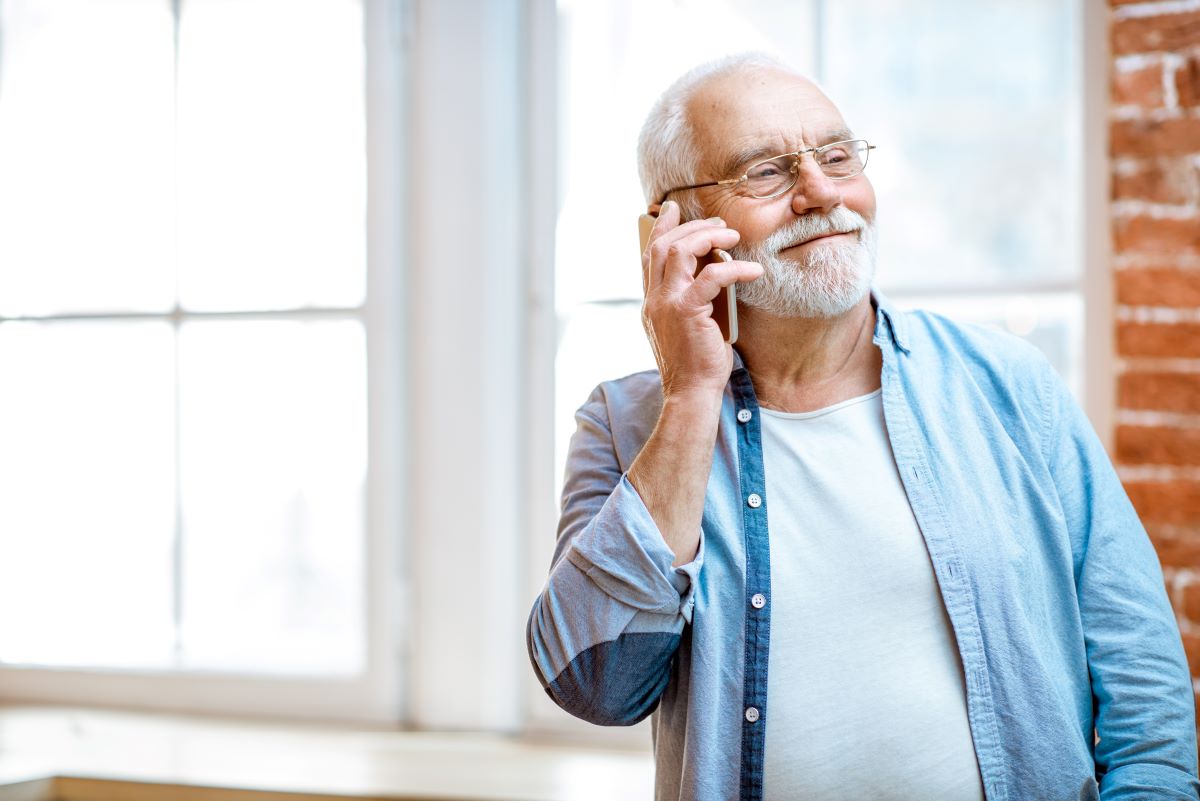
column 774, row 176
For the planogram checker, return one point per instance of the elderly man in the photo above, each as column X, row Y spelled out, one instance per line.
column 863, row 554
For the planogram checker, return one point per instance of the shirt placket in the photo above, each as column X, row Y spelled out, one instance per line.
column 949, row 568
column 757, row 587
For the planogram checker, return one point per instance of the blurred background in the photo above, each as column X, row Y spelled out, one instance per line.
column 298, row 299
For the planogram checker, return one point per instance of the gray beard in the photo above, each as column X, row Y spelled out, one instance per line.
column 830, row 279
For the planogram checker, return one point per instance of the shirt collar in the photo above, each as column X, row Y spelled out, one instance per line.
column 896, row 326
column 890, row 325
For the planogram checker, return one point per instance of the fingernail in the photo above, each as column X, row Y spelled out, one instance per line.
column 716, row 220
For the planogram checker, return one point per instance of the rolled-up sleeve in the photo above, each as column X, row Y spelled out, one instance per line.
column 603, row 632
column 1141, row 685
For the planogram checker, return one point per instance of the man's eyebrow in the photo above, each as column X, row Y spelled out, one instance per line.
column 752, row 153
column 836, row 135
column 744, row 156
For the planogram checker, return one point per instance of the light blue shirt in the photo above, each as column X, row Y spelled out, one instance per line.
column 1052, row 587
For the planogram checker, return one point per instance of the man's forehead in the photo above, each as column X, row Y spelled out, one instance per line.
column 732, row 113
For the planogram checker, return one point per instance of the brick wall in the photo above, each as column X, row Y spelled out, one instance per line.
column 1155, row 161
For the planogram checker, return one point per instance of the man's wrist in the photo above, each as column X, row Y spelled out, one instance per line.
column 696, row 404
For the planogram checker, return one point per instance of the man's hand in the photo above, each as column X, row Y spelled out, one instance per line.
column 671, row 472
column 692, row 355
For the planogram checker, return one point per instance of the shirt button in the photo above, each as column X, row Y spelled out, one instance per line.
column 755, row 500
column 752, row 714
column 758, row 600
column 744, row 415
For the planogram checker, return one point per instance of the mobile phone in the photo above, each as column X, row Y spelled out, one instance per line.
column 725, row 303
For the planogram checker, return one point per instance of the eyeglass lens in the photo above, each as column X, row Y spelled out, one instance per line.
column 770, row 177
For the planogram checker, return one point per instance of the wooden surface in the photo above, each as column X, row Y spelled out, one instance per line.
column 74, row 754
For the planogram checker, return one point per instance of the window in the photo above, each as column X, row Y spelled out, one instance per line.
column 222, row 221
column 976, row 112
column 184, row 331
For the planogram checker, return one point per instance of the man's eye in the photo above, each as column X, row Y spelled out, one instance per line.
column 834, row 156
column 768, row 170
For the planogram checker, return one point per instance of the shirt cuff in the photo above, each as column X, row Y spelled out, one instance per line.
column 686, row 578
column 1148, row 780
column 623, row 553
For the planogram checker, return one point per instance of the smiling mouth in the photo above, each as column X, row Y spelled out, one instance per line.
column 818, row 238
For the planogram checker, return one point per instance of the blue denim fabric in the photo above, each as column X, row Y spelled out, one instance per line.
column 1052, row 587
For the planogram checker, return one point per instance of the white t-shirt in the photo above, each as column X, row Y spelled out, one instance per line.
column 865, row 693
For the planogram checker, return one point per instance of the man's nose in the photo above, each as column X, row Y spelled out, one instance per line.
column 814, row 190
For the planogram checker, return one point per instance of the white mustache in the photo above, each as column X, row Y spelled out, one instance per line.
column 812, row 225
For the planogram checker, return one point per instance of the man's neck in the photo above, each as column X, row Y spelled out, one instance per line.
column 800, row 364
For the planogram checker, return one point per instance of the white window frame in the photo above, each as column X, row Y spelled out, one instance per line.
column 1091, row 82
column 376, row 694
column 455, row 222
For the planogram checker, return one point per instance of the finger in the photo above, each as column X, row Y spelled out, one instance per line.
column 667, row 220
column 718, row 275
column 681, row 257
column 666, row 231
column 646, row 271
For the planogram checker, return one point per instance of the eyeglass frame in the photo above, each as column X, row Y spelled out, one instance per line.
column 795, row 170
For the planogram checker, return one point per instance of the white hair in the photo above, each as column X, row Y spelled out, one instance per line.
column 667, row 152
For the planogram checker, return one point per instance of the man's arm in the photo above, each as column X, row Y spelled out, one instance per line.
column 1141, row 685
column 603, row 631
column 694, row 362
column 671, row 472
column 602, row 634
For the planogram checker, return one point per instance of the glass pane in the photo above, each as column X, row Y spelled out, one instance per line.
column 617, row 57
column 599, row 342
column 86, row 156
column 971, row 107
column 274, row 455
column 272, row 154
column 87, row 493
column 958, row 97
column 1051, row 321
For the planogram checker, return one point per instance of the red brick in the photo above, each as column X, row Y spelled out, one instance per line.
column 1163, row 392
column 1191, row 602
column 1178, row 549
column 1140, row 87
column 1191, row 646
column 1158, row 287
column 1157, row 235
column 1158, row 445
column 1168, row 340
column 1162, row 32
column 1187, row 82
column 1168, row 180
column 1173, row 137
column 1173, row 502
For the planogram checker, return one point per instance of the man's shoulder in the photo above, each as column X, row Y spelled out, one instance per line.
column 627, row 409
column 977, row 348
column 977, row 375
column 637, row 396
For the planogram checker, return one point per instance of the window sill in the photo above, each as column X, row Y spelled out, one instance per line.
column 78, row 754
